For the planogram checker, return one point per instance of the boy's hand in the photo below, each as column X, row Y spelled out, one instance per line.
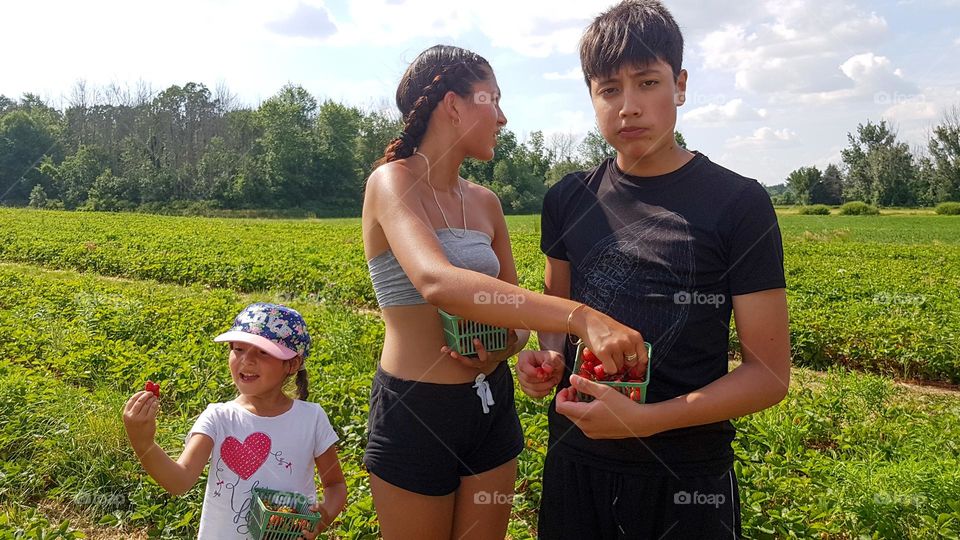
column 140, row 420
column 611, row 415
column 320, row 526
column 539, row 372
column 485, row 361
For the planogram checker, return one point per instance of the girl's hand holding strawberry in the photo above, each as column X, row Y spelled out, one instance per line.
column 140, row 420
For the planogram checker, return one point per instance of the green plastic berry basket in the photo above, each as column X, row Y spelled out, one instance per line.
column 460, row 334
column 266, row 524
column 625, row 388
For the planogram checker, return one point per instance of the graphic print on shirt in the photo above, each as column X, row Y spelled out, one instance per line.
column 244, row 459
column 635, row 273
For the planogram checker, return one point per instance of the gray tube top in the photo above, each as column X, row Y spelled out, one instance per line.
column 394, row 288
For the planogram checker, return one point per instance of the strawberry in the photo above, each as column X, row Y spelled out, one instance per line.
column 637, row 373
column 636, row 394
column 589, row 357
column 599, row 372
column 277, row 520
column 153, row 388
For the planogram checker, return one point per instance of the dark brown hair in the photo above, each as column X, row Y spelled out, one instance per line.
column 301, row 380
column 433, row 73
column 633, row 32
column 302, row 392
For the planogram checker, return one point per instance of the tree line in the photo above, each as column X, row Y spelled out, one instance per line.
column 881, row 170
column 188, row 147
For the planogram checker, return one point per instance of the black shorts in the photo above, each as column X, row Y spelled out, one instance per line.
column 580, row 501
column 423, row 437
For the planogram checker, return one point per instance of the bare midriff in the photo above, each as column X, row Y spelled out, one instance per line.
column 411, row 347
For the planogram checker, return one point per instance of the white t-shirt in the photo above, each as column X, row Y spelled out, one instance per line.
column 256, row 451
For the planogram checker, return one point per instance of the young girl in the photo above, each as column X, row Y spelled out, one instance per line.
column 263, row 438
column 444, row 435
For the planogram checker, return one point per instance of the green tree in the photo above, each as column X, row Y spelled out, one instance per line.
column 75, row 175
column 6, row 104
column 944, row 147
column 595, row 148
column 680, row 140
column 29, row 131
column 829, row 190
column 38, row 197
column 377, row 130
column 880, row 170
column 340, row 174
column 290, row 154
column 802, row 180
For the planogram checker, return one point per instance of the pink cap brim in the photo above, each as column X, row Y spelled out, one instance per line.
column 271, row 348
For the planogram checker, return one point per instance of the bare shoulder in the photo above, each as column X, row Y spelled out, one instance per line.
column 393, row 178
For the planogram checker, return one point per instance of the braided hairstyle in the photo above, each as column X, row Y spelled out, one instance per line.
column 436, row 71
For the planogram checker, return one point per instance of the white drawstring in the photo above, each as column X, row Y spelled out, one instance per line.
column 483, row 392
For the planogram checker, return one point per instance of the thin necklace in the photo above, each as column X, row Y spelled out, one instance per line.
column 463, row 207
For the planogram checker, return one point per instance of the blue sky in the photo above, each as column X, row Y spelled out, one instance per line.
column 774, row 85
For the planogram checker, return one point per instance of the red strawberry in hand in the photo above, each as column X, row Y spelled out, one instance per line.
column 586, row 372
column 153, row 388
column 599, row 372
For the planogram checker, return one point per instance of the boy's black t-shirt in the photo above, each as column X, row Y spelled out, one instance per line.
column 663, row 255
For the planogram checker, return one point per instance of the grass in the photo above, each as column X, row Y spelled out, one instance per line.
column 874, row 294
column 843, row 451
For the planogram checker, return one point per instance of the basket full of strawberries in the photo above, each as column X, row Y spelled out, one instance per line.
column 279, row 515
column 631, row 382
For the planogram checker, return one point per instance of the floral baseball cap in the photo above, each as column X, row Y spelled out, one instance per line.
column 278, row 330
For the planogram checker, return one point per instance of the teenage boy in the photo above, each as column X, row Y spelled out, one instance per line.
column 670, row 244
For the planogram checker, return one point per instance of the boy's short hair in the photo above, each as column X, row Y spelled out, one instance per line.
column 633, row 32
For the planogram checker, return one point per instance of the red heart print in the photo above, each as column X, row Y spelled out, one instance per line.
column 244, row 458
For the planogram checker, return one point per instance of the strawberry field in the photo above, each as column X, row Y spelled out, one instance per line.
column 850, row 453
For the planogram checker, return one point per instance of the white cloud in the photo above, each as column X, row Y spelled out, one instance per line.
column 305, row 21
column 572, row 75
column 870, row 76
column 530, row 30
column 793, row 48
column 763, row 138
column 911, row 110
column 732, row 111
column 957, row 42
